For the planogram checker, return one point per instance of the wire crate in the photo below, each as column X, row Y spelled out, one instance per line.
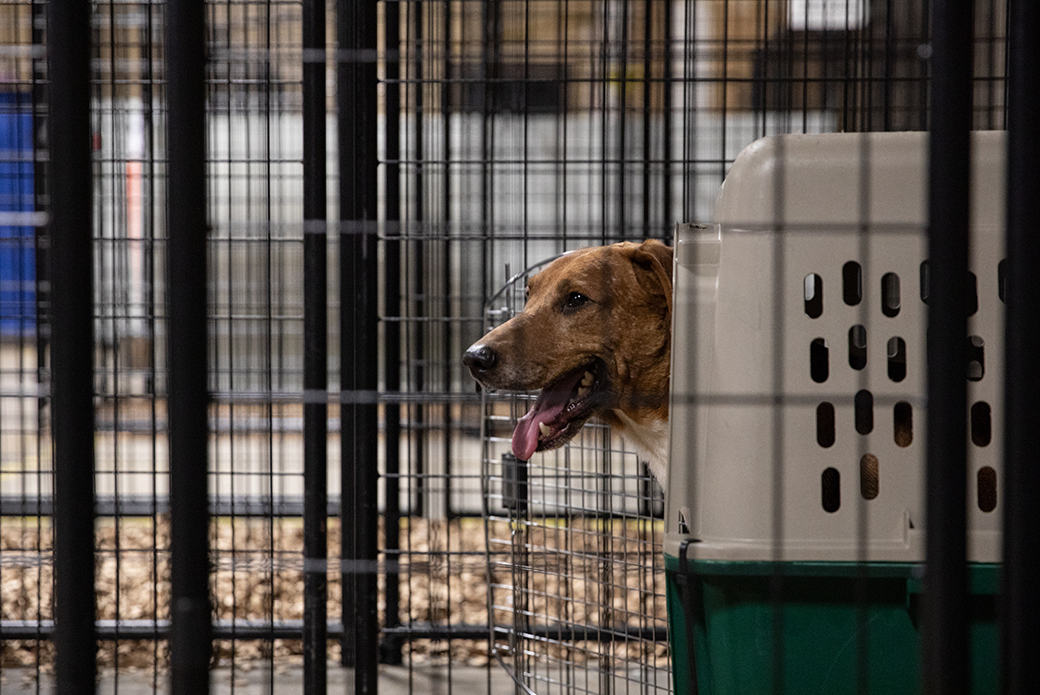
column 574, row 542
column 798, row 411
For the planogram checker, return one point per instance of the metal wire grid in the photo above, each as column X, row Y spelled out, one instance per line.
column 25, row 569
column 525, row 128
column 253, row 302
column 574, row 542
column 507, row 154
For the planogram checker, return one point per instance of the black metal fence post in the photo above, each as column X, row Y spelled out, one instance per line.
column 315, row 353
column 1021, row 608
column 945, row 622
column 357, row 105
column 191, row 628
column 72, row 344
column 391, row 652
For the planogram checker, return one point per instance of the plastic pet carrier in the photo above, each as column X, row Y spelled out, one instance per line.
column 795, row 502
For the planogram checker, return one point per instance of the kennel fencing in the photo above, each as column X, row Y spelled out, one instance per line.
column 574, row 542
column 374, row 173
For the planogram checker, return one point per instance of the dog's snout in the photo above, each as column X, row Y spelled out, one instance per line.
column 479, row 358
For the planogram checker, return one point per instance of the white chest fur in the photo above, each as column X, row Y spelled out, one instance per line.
column 650, row 441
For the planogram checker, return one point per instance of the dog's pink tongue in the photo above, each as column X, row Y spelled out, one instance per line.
column 545, row 409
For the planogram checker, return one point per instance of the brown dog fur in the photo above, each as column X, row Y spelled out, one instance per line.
column 606, row 307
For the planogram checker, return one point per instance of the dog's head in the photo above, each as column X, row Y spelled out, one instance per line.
column 594, row 336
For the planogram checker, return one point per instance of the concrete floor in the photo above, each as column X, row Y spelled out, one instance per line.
column 393, row 680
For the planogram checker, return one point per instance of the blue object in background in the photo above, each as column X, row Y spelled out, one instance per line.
column 17, row 242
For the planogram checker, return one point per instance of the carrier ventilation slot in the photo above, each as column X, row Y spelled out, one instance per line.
column 981, row 424
column 825, row 424
column 864, row 406
column 852, row 283
column 830, row 490
column 1002, row 280
column 869, row 476
column 903, row 424
column 987, row 489
column 890, row 294
column 858, row 347
column 818, row 360
column 813, row 296
column 896, row 359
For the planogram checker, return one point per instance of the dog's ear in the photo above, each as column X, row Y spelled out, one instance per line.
column 653, row 261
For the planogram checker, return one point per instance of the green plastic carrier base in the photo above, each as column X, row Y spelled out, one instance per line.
column 825, row 627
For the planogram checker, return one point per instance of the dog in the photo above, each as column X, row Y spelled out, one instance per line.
column 595, row 337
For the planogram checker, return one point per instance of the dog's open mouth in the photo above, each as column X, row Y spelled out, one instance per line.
column 560, row 411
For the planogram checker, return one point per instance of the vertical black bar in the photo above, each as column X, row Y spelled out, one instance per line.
column 347, row 321
column 418, row 217
column 190, row 631
column 945, row 622
column 1021, row 610
column 72, row 345
column 446, row 302
column 648, row 67
column 887, row 82
column 357, row 103
column 622, row 129
column 447, row 271
column 392, row 329
column 666, row 188
column 315, row 353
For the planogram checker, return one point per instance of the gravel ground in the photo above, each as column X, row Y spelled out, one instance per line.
column 258, row 574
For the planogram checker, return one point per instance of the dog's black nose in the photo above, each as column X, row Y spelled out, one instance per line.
column 479, row 358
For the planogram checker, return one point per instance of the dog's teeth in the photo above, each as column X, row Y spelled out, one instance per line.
column 543, row 428
column 589, row 378
column 582, row 392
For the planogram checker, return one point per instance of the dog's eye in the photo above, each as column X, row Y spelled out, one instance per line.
column 575, row 300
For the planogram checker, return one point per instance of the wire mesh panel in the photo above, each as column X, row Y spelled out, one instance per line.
column 26, row 536
column 500, row 134
column 525, row 129
column 574, row 542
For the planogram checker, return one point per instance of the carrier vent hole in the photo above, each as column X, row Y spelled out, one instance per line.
column 976, row 358
column 987, row 489
column 869, row 481
column 864, row 403
column 813, row 296
column 926, row 277
column 830, row 489
column 903, row 423
column 981, row 424
column 818, row 360
column 858, row 347
column 1002, row 280
column 852, row 283
column 896, row 359
column 825, row 424
column 890, row 294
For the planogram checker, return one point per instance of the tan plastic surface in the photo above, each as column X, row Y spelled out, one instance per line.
column 744, row 405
